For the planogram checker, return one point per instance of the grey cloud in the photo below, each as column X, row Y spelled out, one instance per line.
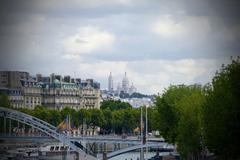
column 129, row 23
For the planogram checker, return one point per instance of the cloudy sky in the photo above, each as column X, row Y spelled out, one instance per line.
column 156, row 42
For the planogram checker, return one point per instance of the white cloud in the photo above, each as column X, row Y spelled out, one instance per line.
column 87, row 40
column 189, row 26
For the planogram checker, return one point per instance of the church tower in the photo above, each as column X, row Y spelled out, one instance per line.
column 125, row 84
column 110, row 83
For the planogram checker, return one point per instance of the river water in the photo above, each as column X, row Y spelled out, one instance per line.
column 135, row 156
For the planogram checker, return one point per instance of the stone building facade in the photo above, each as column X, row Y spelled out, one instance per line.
column 28, row 92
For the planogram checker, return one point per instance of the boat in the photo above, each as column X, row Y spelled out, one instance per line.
column 54, row 149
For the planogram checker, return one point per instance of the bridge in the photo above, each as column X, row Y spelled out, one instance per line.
column 46, row 128
column 87, row 138
column 73, row 142
column 162, row 146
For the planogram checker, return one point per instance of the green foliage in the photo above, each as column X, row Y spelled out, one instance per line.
column 117, row 121
column 83, row 116
column 128, row 123
column 168, row 109
column 179, row 115
column 96, row 117
column 189, row 135
column 54, row 117
column 108, row 121
column 152, row 118
column 4, row 100
column 221, row 113
column 115, row 105
column 124, row 121
column 195, row 118
column 67, row 111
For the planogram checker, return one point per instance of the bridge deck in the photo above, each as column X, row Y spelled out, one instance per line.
column 98, row 139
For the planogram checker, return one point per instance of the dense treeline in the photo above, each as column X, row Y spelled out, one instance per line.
column 115, row 105
column 199, row 119
column 4, row 100
column 114, row 116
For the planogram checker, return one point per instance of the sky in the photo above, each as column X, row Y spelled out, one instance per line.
column 157, row 42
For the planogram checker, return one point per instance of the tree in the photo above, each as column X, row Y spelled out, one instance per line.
column 96, row 118
column 152, row 118
column 83, row 116
column 41, row 113
column 67, row 111
column 4, row 100
column 221, row 113
column 128, row 123
column 136, row 112
column 54, row 117
column 107, row 123
column 168, row 110
column 87, row 117
column 180, row 118
column 189, row 135
column 115, row 105
column 117, row 121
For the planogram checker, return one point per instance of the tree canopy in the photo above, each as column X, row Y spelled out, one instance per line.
column 4, row 100
column 115, row 105
column 169, row 109
column 221, row 112
column 198, row 118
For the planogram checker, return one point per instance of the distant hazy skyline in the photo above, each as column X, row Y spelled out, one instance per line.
column 156, row 42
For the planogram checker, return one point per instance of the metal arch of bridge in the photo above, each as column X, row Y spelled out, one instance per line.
column 46, row 128
column 121, row 151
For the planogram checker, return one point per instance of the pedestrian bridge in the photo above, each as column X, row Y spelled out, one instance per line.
column 47, row 128
column 86, row 138
column 162, row 146
column 73, row 143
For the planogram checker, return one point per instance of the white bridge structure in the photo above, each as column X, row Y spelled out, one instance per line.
column 132, row 148
column 74, row 144
column 47, row 128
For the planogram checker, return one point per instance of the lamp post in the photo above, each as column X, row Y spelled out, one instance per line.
column 141, row 153
column 146, row 125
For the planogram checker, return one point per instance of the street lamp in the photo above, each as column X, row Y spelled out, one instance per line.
column 146, row 136
column 141, row 153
